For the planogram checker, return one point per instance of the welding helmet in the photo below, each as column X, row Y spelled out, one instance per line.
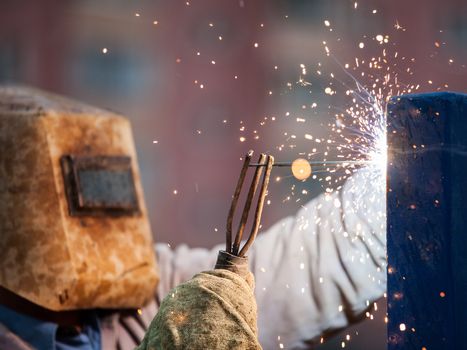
column 74, row 231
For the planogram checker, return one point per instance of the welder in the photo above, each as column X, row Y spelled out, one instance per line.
column 79, row 269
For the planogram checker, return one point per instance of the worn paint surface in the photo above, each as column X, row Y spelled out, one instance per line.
column 427, row 221
column 59, row 261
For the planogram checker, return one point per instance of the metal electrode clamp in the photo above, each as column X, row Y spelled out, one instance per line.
column 233, row 247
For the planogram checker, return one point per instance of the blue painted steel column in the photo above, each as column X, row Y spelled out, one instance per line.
column 427, row 222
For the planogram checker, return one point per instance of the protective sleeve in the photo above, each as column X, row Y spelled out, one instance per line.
column 316, row 272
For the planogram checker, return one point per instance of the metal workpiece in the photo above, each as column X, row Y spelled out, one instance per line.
column 427, row 221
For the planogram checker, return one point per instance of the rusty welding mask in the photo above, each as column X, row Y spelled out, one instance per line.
column 74, row 231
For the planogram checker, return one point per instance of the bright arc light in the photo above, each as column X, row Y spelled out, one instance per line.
column 379, row 154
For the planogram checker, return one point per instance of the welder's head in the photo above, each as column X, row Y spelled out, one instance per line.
column 74, row 232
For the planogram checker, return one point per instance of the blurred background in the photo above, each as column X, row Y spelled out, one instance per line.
column 204, row 81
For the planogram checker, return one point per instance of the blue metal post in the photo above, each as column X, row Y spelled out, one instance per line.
column 427, row 222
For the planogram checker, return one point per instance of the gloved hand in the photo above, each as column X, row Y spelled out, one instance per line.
column 214, row 310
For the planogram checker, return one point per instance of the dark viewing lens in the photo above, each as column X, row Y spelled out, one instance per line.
column 100, row 185
column 107, row 188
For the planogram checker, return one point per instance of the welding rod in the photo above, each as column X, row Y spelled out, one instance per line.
column 330, row 162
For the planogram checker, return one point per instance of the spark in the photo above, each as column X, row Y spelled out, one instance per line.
column 398, row 26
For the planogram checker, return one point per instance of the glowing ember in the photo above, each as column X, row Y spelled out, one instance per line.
column 301, row 169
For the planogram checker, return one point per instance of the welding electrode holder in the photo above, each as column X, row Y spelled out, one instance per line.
column 265, row 164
